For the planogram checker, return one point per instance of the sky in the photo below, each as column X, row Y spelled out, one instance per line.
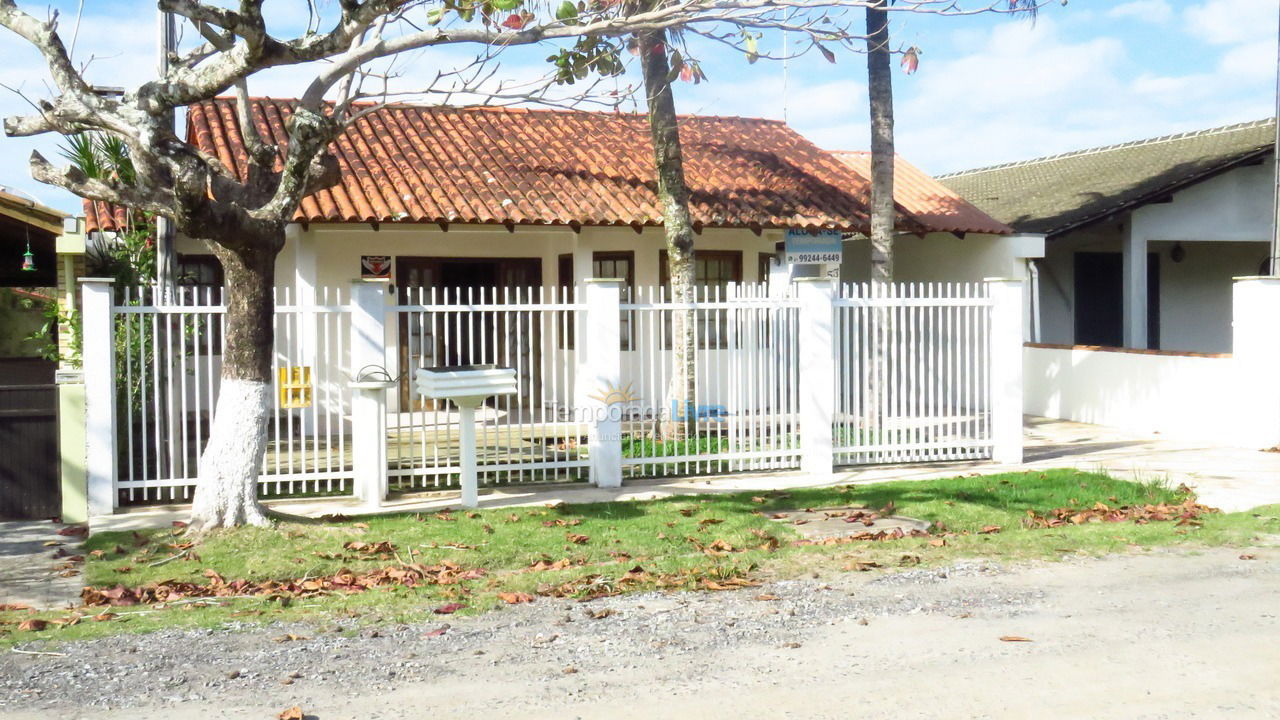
column 990, row 88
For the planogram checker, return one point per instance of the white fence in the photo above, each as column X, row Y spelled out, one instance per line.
column 812, row 378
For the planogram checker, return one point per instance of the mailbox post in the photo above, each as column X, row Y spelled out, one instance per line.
column 468, row 386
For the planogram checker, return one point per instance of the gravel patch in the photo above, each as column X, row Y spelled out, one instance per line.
column 550, row 638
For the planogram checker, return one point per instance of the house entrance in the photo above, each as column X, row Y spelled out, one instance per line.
column 461, row 338
column 1099, row 299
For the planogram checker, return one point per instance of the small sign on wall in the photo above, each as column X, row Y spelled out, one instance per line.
column 805, row 248
column 375, row 266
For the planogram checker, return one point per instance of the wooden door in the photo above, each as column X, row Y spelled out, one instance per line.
column 461, row 338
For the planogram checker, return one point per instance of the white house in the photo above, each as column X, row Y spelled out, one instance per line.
column 490, row 226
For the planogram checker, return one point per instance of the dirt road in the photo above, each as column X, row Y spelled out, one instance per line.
column 1150, row 635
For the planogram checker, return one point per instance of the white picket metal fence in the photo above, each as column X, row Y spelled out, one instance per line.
column 913, row 373
column 810, row 377
column 168, row 361
column 532, row 436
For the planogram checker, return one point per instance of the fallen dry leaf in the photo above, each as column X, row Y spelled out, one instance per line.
column 767, row 597
column 515, row 598
column 293, row 713
column 288, row 637
column 32, row 625
column 449, row 609
column 576, row 539
column 1014, row 638
column 1248, row 556
column 990, row 529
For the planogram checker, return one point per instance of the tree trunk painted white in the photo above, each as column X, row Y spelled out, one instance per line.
column 226, row 490
column 679, row 417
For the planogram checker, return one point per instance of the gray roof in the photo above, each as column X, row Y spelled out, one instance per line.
column 1056, row 194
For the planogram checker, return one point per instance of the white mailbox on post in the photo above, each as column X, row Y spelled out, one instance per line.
column 468, row 386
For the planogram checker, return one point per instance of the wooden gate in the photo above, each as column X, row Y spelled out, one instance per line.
column 29, row 486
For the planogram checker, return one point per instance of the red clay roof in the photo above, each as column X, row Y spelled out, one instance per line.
column 930, row 202
column 444, row 164
column 514, row 165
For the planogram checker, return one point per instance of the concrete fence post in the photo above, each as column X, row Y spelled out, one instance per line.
column 601, row 379
column 1256, row 356
column 369, row 406
column 817, row 373
column 98, row 350
column 1005, row 353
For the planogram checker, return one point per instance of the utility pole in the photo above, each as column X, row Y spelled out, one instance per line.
column 165, row 256
column 1274, row 256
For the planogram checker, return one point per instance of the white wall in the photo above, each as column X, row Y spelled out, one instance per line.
column 1232, row 207
column 1192, row 398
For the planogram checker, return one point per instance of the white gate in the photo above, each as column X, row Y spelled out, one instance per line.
column 745, row 401
column 913, row 373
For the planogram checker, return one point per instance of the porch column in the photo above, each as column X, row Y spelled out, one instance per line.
column 1005, row 353
column 1256, row 357
column 368, row 408
column 1135, row 287
column 817, row 372
column 98, row 349
column 601, row 379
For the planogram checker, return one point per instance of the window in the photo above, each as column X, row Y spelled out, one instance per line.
column 564, row 278
column 618, row 264
column 711, row 269
column 200, row 278
column 198, row 271
column 766, row 261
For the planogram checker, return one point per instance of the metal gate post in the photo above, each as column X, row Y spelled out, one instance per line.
column 100, row 395
column 368, row 406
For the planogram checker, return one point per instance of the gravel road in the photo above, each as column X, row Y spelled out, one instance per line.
column 1150, row 635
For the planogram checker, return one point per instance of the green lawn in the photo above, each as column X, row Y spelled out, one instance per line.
column 601, row 542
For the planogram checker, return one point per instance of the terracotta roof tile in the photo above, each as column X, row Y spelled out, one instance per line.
column 930, row 202
column 443, row 164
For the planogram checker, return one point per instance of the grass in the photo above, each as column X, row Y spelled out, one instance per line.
column 653, row 534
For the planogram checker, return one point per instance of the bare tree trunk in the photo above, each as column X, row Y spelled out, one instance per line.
column 227, row 488
column 880, row 94
column 673, row 194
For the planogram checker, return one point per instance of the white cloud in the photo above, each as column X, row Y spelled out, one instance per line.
column 1154, row 11
column 1229, row 22
column 1026, row 91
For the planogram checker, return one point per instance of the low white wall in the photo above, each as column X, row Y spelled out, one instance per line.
column 1191, row 397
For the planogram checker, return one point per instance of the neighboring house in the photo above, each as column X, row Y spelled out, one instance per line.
column 36, row 266
column 1150, row 316
column 1143, row 238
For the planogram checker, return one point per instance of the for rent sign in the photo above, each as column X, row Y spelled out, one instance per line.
column 804, row 248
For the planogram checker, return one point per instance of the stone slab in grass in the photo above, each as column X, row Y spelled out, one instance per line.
column 833, row 522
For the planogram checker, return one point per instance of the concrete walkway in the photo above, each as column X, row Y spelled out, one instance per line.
column 1227, row 478
column 29, row 573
